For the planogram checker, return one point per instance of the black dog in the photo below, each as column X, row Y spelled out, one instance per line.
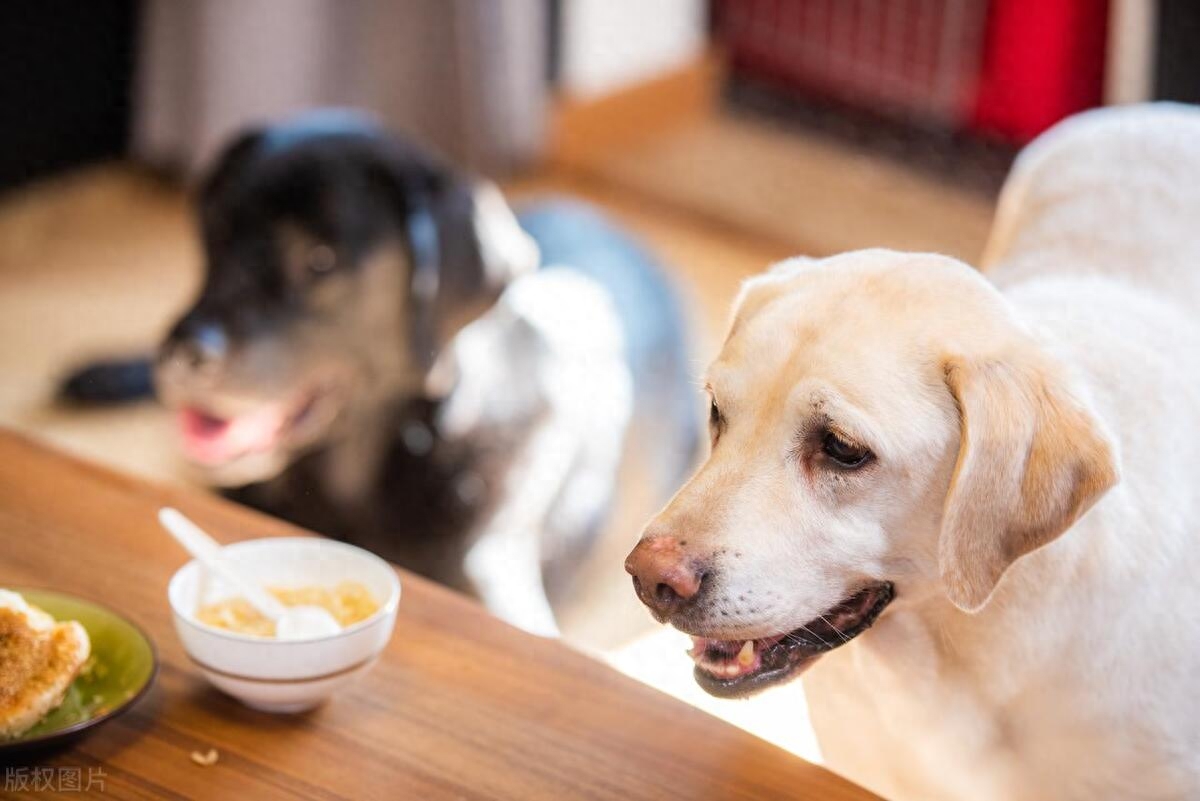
column 379, row 354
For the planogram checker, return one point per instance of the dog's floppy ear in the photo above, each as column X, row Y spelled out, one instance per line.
column 481, row 248
column 1031, row 460
column 230, row 163
column 465, row 244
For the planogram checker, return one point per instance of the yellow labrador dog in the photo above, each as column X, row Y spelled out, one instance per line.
column 999, row 476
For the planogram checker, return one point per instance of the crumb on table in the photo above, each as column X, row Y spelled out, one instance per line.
column 206, row 760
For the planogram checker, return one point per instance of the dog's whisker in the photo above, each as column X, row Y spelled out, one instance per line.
column 798, row 641
column 818, row 636
column 825, row 620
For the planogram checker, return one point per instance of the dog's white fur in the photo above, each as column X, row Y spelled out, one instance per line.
column 531, row 352
column 1040, row 646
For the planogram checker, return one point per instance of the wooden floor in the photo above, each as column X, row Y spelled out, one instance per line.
column 99, row 262
column 95, row 263
column 805, row 193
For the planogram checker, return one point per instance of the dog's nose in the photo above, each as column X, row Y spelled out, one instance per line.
column 197, row 342
column 664, row 576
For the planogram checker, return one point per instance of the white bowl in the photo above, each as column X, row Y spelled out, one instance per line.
column 285, row 675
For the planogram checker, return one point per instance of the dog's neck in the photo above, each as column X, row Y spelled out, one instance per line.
column 352, row 463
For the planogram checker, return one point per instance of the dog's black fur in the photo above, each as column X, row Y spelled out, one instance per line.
column 355, row 189
column 340, row 262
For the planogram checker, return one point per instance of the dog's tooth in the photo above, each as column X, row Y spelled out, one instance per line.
column 746, row 655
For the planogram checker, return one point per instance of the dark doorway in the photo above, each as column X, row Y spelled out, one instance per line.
column 66, row 70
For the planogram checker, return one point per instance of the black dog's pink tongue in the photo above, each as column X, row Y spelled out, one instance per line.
column 202, row 424
column 208, row 439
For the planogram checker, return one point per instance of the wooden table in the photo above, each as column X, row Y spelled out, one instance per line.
column 459, row 707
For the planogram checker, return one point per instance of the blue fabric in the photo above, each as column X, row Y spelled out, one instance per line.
column 318, row 124
column 574, row 235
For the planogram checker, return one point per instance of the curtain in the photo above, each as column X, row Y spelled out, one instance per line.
column 467, row 77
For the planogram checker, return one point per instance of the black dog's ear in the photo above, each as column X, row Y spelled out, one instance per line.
column 465, row 247
column 483, row 250
column 229, row 166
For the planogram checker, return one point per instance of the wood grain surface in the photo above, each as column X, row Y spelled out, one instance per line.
column 459, row 707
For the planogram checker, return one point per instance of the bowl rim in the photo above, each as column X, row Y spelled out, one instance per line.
column 386, row 609
column 62, row 735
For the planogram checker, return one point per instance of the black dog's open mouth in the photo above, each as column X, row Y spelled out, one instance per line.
column 213, row 440
column 733, row 668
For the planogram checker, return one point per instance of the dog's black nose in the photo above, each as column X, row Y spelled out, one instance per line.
column 198, row 342
column 664, row 576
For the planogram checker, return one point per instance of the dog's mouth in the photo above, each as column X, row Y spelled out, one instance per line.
column 213, row 439
column 735, row 668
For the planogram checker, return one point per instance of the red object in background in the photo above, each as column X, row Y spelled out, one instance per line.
column 1043, row 60
column 1008, row 68
column 913, row 60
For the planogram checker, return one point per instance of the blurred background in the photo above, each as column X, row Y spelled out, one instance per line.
column 725, row 133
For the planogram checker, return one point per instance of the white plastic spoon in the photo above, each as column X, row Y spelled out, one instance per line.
column 291, row 622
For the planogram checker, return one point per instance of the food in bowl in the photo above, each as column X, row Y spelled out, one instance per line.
column 349, row 602
column 271, row 673
column 39, row 658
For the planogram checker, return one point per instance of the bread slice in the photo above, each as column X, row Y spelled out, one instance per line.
column 39, row 658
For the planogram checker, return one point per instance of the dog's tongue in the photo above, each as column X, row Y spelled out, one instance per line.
column 213, row 440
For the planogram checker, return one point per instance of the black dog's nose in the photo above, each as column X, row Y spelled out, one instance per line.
column 196, row 341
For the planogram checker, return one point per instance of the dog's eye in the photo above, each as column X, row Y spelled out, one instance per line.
column 321, row 260
column 844, row 453
column 714, row 419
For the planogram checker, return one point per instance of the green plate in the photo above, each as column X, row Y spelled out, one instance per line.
column 124, row 666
